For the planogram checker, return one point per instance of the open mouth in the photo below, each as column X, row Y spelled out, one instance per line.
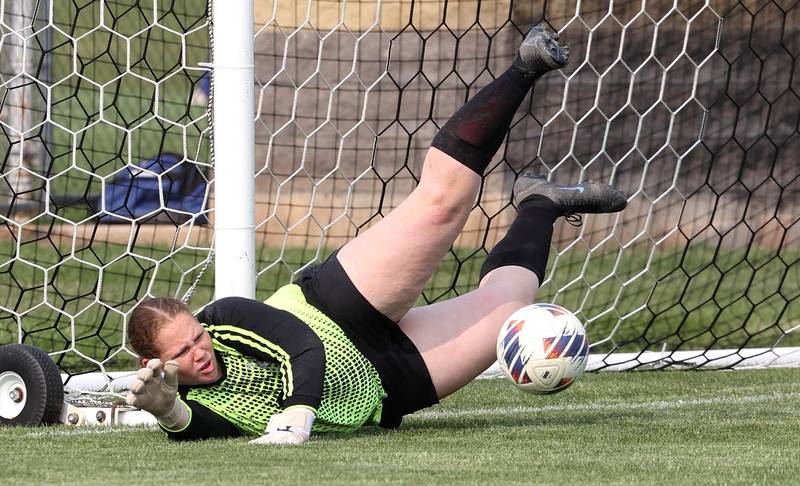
column 207, row 368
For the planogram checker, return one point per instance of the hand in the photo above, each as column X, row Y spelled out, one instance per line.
column 158, row 394
column 290, row 427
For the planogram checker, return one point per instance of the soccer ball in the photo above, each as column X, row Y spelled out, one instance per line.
column 542, row 348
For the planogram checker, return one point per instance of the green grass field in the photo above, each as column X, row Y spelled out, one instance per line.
column 738, row 427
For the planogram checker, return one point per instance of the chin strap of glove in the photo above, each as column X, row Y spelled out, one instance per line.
column 292, row 427
column 155, row 390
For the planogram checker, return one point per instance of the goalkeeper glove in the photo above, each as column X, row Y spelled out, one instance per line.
column 292, row 427
column 158, row 394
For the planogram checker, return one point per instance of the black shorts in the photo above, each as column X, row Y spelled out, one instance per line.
column 403, row 373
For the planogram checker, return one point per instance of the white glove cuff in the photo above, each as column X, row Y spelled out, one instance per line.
column 298, row 417
column 177, row 418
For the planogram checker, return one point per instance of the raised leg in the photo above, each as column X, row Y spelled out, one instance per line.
column 391, row 262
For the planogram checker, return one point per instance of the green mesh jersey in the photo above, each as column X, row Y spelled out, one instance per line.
column 253, row 389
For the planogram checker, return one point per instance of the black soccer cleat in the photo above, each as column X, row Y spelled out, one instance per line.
column 540, row 52
column 586, row 197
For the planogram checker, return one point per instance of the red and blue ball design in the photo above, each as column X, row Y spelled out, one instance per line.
column 543, row 348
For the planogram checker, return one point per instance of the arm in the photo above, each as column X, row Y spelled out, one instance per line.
column 202, row 424
column 269, row 334
column 155, row 390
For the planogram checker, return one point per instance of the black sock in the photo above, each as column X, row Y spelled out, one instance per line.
column 527, row 242
column 473, row 135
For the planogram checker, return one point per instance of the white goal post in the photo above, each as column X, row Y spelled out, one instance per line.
column 233, row 70
column 116, row 185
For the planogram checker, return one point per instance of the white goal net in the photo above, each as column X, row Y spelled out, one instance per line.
column 691, row 108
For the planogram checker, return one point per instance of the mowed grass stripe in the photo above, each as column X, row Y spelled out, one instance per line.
column 599, row 406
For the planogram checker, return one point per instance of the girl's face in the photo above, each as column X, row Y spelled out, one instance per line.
column 184, row 340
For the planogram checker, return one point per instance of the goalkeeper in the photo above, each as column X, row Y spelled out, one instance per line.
column 343, row 347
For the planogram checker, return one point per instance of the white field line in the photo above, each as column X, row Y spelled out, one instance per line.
column 599, row 406
column 87, row 431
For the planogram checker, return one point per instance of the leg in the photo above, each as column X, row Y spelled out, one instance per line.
column 457, row 338
column 466, row 327
column 391, row 262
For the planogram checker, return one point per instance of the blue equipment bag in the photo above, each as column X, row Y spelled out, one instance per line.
column 133, row 192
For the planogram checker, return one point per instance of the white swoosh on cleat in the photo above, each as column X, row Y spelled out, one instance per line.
column 576, row 189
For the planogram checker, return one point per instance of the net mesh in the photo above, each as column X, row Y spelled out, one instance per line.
column 103, row 130
column 690, row 107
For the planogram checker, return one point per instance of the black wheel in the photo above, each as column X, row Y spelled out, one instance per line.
column 31, row 391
